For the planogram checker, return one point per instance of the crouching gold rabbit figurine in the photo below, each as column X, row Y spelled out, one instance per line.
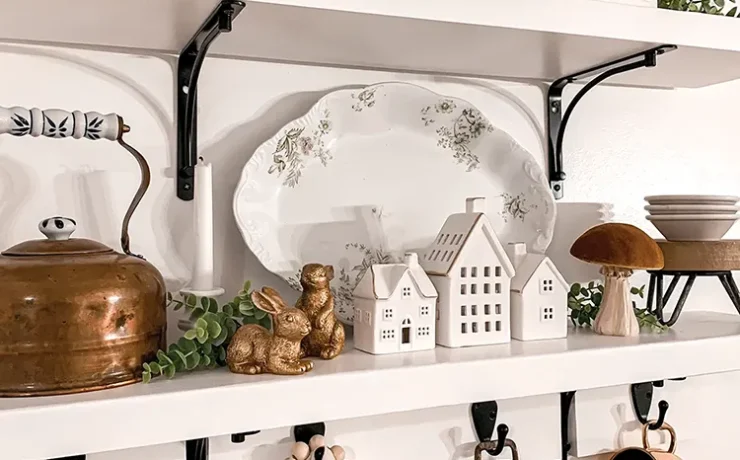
column 253, row 350
column 326, row 339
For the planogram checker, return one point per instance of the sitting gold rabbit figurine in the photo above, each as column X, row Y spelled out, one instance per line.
column 253, row 350
column 326, row 338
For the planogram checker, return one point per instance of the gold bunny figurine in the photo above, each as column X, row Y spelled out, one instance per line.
column 326, row 338
column 253, row 350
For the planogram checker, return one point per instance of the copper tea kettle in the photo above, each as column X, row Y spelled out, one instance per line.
column 74, row 314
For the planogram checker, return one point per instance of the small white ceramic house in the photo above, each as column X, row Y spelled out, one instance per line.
column 395, row 307
column 539, row 296
column 472, row 274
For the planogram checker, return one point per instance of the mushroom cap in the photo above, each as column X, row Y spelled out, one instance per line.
column 618, row 245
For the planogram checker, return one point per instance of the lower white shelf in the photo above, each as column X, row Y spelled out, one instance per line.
column 356, row 384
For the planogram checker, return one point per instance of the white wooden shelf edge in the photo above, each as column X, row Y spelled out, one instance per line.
column 358, row 384
column 540, row 40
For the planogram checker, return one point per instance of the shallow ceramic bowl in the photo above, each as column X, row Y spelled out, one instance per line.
column 693, row 227
column 727, row 200
column 672, row 209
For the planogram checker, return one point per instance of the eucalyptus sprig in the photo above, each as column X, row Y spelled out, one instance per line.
column 584, row 303
column 714, row 7
column 204, row 344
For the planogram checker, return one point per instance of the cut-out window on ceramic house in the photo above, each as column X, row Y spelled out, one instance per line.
column 486, row 288
column 464, row 328
column 487, row 309
column 547, row 313
column 488, row 326
column 498, row 326
column 424, row 310
column 473, row 272
column 486, row 272
column 407, row 292
column 546, row 286
column 474, row 310
column 463, row 310
column 463, row 289
column 498, row 308
column 498, row 271
column 474, row 327
column 387, row 314
column 387, row 335
column 473, row 289
column 497, row 288
column 463, row 272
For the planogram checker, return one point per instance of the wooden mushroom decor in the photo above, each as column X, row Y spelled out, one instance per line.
column 619, row 248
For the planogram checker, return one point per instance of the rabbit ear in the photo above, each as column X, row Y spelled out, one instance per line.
column 264, row 303
column 274, row 296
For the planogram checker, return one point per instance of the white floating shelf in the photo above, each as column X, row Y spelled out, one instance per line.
column 540, row 40
column 218, row 403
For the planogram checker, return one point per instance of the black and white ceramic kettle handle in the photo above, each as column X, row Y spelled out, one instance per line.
column 56, row 123
column 19, row 121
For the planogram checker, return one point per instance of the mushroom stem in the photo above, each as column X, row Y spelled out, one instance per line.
column 616, row 316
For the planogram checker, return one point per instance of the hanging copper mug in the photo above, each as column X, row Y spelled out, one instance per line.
column 74, row 314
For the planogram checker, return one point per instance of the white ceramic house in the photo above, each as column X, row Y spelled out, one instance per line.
column 472, row 273
column 395, row 307
column 539, row 296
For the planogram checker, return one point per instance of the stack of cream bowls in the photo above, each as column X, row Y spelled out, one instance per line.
column 692, row 217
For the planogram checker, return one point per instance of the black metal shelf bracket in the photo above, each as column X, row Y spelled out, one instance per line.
column 196, row 449
column 188, row 70
column 566, row 403
column 304, row 433
column 557, row 120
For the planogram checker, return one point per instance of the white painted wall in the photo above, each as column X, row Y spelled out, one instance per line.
column 622, row 144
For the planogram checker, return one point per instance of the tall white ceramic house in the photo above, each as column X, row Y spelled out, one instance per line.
column 539, row 296
column 395, row 307
column 472, row 274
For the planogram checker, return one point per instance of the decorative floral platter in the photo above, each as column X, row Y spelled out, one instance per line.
column 370, row 173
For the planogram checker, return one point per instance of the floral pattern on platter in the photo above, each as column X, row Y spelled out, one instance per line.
column 365, row 99
column 466, row 127
column 294, row 147
column 515, row 207
column 443, row 106
column 345, row 283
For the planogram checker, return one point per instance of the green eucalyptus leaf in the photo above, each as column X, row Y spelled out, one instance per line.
column 203, row 339
column 207, row 348
column 228, row 309
column 200, row 333
column 182, row 356
column 266, row 323
column 206, row 361
column 600, row 287
column 178, row 305
column 169, row 296
column 201, row 323
column 247, row 286
column 596, row 299
column 197, row 313
column 222, row 354
column 259, row 314
column 634, row 290
column 155, row 368
column 209, row 318
column 720, row 3
column 221, row 338
column 192, row 361
column 191, row 300
column 584, row 291
column 212, row 305
column 575, row 289
column 246, row 312
column 146, row 367
column 146, row 377
column 187, row 345
column 190, row 335
column 590, row 284
column 232, row 326
column 169, row 372
column 163, row 358
column 732, row 12
column 215, row 329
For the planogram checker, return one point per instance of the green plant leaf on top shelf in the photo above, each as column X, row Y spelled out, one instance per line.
column 584, row 305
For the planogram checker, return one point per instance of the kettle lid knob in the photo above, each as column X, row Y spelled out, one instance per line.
column 57, row 228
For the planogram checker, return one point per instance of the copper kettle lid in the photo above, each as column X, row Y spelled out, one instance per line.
column 58, row 242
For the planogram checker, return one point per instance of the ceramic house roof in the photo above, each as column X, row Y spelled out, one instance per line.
column 452, row 238
column 528, row 266
column 382, row 280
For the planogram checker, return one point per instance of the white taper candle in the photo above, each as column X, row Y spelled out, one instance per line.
column 202, row 281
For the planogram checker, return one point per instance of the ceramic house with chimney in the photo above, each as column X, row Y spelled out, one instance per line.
column 395, row 307
column 539, row 296
column 472, row 274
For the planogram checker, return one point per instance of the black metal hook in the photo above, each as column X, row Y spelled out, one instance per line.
column 304, row 433
column 642, row 399
column 484, row 416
